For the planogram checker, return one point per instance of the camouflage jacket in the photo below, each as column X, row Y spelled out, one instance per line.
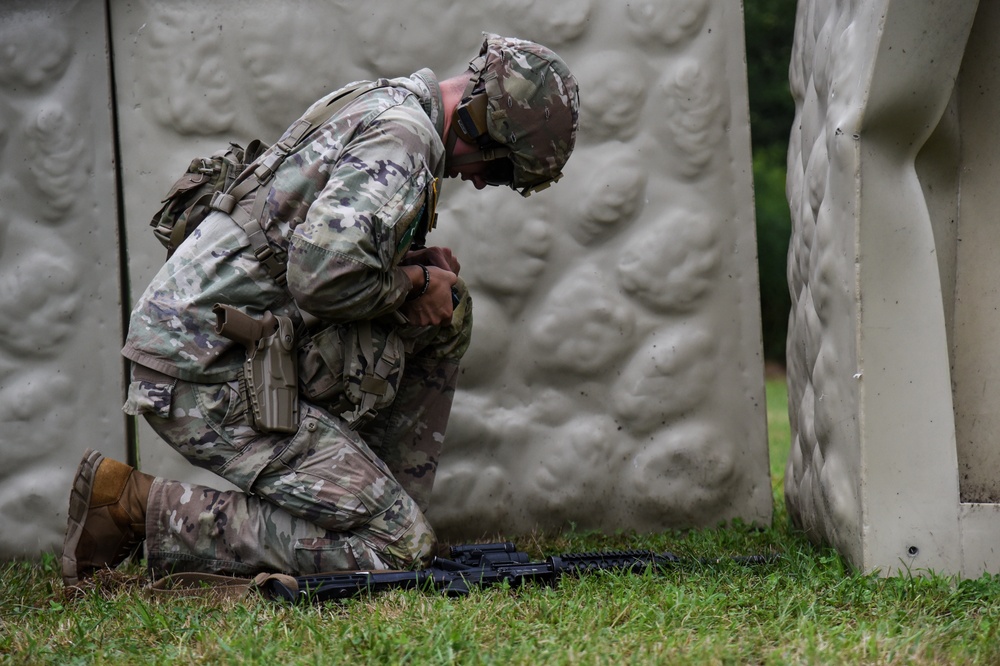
column 343, row 210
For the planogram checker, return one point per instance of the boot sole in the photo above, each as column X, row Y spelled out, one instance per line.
column 79, row 503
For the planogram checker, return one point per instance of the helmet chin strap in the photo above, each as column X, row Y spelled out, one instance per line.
column 469, row 123
column 488, row 150
column 482, row 155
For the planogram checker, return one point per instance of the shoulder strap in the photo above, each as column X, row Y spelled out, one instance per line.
column 260, row 172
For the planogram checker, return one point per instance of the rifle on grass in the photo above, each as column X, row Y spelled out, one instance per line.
column 478, row 565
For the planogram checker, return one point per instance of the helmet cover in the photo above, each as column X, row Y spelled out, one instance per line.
column 533, row 107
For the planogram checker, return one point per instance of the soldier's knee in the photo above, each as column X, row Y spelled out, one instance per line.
column 413, row 543
column 417, row 546
column 400, row 534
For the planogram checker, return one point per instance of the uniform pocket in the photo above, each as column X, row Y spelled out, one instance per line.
column 374, row 358
column 150, row 397
column 321, row 366
column 220, row 438
column 400, row 216
column 315, row 555
column 352, row 367
column 221, row 404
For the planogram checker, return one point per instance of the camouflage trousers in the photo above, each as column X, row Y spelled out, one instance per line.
column 324, row 498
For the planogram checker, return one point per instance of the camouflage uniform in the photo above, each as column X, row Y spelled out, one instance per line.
column 344, row 209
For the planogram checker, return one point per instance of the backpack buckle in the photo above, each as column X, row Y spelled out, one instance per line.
column 207, row 167
column 267, row 168
column 269, row 259
column 223, row 202
column 263, row 253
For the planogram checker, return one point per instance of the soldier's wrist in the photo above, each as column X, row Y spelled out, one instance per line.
column 421, row 287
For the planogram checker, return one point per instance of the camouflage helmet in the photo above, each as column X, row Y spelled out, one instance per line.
column 523, row 97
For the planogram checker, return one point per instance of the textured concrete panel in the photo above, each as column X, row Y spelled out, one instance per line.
column 820, row 486
column 60, row 318
column 621, row 404
column 976, row 365
column 615, row 381
column 891, row 181
column 615, row 378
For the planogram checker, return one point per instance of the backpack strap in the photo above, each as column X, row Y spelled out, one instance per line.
column 260, row 172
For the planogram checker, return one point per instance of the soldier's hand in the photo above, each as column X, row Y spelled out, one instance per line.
column 442, row 257
column 434, row 306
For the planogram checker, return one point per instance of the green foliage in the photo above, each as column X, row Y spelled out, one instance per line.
column 769, row 26
column 806, row 607
column 779, row 432
column 773, row 230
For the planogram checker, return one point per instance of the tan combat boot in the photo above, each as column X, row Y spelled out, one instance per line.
column 107, row 516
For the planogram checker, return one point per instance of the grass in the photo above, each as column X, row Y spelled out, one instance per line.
column 807, row 607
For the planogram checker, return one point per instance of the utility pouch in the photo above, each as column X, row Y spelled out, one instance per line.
column 373, row 367
column 362, row 362
column 189, row 200
column 268, row 381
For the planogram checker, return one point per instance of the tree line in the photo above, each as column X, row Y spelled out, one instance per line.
column 770, row 26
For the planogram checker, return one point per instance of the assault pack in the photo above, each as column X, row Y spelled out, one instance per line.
column 219, row 182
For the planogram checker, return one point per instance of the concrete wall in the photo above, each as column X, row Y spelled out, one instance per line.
column 615, row 381
column 60, row 304
column 892, row 367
